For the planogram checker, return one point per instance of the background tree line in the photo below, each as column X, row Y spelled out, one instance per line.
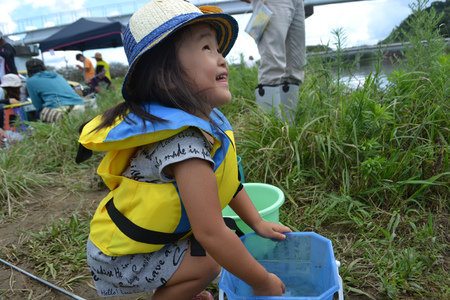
column 117, row 70
column 439, row 8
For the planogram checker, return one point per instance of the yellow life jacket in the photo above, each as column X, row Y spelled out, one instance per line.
column 141, row 217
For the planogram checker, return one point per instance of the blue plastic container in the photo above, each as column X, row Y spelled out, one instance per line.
column 304, row 262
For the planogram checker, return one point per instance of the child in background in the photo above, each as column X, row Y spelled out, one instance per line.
column 101, row 82
column 171, row 164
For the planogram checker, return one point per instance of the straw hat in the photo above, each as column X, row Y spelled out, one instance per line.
column 158, row 19
column 97, row 55
column 11, row 80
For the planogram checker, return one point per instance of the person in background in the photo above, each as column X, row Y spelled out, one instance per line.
column 282, row 48
column 88, row 68
column 101, row 62
column 100, row 82
column 9, row 92
column 7, row 54
column 3, row 138
column 167, row 129
column 50, row 92
column 250, row 63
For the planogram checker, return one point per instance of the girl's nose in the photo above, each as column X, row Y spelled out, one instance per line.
column 221, row 60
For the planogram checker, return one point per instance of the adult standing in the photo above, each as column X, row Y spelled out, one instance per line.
column 100, row 62
column 88, row 68
column 282, row 48
column 7, row 54
column 50, row 93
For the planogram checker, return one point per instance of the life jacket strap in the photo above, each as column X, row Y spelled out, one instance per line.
column 147, row 236
column 138, row 233
column 240, row 187
column 83, row 154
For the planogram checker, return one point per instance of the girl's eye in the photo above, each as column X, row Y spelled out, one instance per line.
column 206, row 47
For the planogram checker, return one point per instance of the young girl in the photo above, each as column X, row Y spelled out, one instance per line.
column 171, row 164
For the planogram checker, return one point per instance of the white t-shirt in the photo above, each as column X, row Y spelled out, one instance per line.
column 149, row 161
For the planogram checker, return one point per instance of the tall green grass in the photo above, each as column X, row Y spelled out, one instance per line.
column 46, row 156
column 366, row 167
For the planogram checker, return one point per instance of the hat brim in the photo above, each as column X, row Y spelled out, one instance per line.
column 12, row 86
column 227, row 31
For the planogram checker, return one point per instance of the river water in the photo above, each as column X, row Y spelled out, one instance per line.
column 357, row 76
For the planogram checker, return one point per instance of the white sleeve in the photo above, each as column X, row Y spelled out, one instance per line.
column 150, row 160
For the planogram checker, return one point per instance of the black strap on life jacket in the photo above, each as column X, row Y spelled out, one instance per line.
column 147, row 236
column 83, row 154
column 138, row 233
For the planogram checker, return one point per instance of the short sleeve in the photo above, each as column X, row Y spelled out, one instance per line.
column 150, row 160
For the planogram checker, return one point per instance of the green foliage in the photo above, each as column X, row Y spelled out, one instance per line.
column 59, row 249
column 117, row 70
column 47, row 156
column 439, row 25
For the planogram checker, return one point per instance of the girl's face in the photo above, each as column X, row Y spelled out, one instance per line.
column 205, row 66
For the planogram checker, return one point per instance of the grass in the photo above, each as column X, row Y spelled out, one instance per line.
column 367, row 168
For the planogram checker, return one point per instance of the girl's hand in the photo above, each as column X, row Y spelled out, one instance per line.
column 273, row 286
column 13, row 101
column 271, row 230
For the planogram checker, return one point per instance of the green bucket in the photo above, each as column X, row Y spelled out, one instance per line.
column 267, row 200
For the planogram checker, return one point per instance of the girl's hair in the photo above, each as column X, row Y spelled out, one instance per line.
column 13, row 92
column 159, row 76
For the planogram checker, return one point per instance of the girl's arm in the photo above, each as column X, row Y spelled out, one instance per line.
column 198, row 188
column 243, row 206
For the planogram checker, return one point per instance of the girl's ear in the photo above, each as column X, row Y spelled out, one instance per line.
column 164, row 80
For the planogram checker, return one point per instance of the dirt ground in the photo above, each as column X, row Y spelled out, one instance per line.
column 36, row 212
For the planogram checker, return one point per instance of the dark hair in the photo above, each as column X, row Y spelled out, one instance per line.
column 34, row 66
column 78, row 56
column 99, row 69
column 35, row 69
column 158, row 76
column 12, row 92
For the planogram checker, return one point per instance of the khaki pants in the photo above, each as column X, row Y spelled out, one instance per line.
column 282, row 45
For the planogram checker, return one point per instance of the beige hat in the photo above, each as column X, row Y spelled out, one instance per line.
column 158, row 19
column 11, row 80
column 97, row 55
